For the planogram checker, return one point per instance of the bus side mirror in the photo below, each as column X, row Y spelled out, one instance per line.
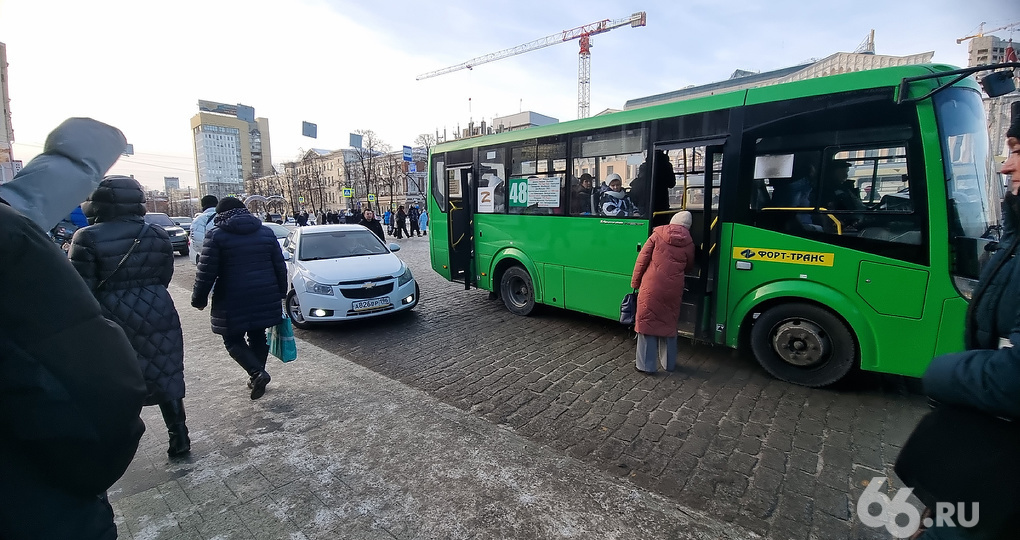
column 998, row 83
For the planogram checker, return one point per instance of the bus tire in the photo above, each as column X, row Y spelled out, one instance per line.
column 803, row 344
column 518, row 291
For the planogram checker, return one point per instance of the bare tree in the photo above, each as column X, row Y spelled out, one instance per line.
column 366, row 156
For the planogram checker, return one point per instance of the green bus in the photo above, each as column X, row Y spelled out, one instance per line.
column 840, row 222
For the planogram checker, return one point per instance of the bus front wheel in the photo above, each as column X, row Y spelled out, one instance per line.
column 803, row 344
column 517, row 291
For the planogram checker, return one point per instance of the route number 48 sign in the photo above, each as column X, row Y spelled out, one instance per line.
column 540, row 192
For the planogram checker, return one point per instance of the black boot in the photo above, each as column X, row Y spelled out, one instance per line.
column 174, row 417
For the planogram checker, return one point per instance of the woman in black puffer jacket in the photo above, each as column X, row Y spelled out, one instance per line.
column 242, row 264
column 130, row 284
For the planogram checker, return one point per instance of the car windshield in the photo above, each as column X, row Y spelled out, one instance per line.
column 182, row 220
column 339, row 244
column 162, row 220
column 279, row 230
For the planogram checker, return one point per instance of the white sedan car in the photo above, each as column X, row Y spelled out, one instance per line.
column 344, row 272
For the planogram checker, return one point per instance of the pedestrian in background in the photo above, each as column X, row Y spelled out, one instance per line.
column 243, row 266
column 201, row 225
column 128, row 265
column 401, row 226
column 412, row 217
column 659, row 278
column 423, row 222
column 387, row 218
column 373, row 225
column 71, row 388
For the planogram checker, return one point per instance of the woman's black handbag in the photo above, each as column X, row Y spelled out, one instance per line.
column 961, row 455
column 628, row 308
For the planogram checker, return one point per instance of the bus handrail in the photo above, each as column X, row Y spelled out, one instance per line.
column 839, row 224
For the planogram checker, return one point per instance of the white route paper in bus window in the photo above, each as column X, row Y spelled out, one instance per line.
column 544, row 192
column 486, row 198
column 777, row 166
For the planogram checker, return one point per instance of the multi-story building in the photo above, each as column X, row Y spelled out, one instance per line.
column 8, row 168
column 984, row 50
column 992, row 50
column 231, row 145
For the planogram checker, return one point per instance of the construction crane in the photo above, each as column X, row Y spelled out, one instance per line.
column 582, row 33
column 982, row 31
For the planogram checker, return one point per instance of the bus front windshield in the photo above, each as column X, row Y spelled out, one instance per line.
column 973, row 194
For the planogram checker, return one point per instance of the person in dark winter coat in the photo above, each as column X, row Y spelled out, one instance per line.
column 986, row 376
column 243, row 266
column 128, row 269
column 412, row 216
column 659, row 277
column 401, row 226
column 70, row 389
column 373, row 225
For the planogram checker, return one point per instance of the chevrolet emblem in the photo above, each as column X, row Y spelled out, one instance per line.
column 368, row 285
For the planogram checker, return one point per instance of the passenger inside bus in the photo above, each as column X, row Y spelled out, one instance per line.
column 581, row 196
column 790, row 193
column 614, row 200
column 843, row 194
column 662, row 179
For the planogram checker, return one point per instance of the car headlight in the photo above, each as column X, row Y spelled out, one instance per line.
column 318, row 288
column 405, row 277
column 179, row 233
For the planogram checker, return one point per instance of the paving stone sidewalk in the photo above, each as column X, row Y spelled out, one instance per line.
column 334, row 450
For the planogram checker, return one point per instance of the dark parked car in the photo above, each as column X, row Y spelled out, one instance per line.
column 178, row 236
column 183, row 222
column 275, row 218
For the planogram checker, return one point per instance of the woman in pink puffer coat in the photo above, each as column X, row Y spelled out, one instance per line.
column 659, row 278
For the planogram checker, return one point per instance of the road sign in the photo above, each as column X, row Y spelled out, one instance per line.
column 412, row 167
column 407, row 153
column 348, row 192
column 371, row 197
column 301, row 200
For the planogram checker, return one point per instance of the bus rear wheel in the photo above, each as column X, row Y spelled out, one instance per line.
column 803, row 344
column 517, row 291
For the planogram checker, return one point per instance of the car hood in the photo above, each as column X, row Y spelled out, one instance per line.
column 333, row 271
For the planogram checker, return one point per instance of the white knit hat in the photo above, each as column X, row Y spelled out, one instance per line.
column 682, row 218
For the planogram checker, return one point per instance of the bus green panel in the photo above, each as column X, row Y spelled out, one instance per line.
column 893, row 290
column 954, row 313
column 439, row 247
column 596, row 254
column 553, row 284
column 785, row 268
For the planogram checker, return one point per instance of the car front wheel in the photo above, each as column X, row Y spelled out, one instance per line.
column 297, row 318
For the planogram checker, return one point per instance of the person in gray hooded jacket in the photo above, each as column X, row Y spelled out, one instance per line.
column 128, row 265
column 70, row 387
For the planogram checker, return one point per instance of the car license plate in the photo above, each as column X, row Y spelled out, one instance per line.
column 372, row 303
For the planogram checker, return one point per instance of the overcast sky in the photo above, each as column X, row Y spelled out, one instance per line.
column 345, row 65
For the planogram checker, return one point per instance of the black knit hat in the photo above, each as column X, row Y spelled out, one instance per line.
column 229, row 203
column 1014, row 125
column 209, row 201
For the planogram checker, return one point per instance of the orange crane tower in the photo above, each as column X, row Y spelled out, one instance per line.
column 582, row 33
column 982, row 31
